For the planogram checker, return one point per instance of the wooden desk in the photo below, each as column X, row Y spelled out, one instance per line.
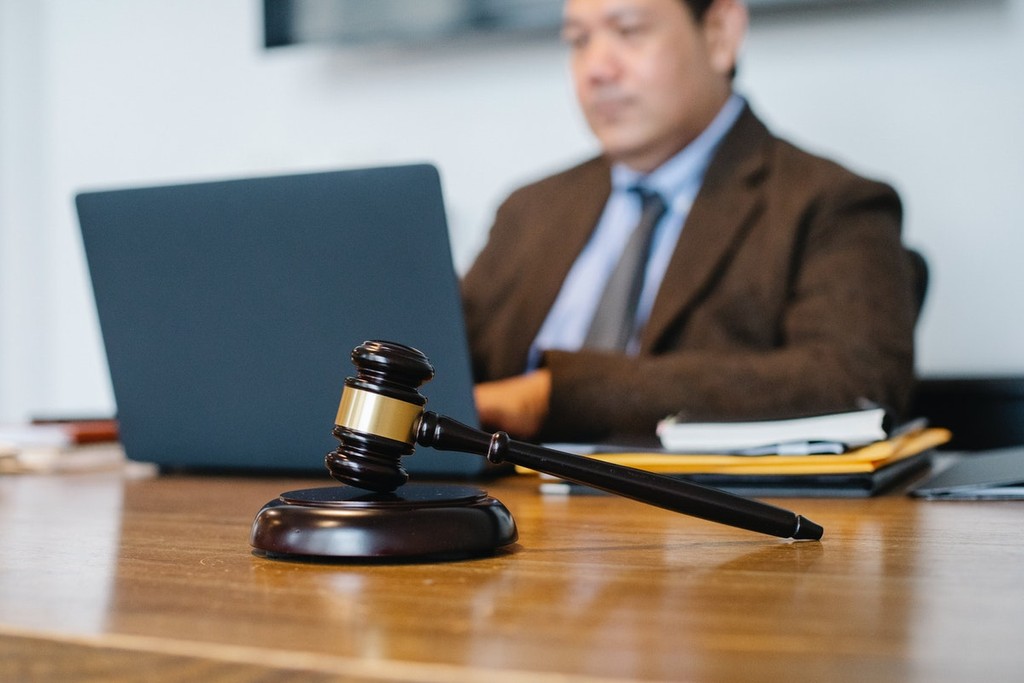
column 103, row 578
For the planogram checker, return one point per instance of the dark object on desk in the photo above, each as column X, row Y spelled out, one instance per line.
column 422, row 522
column 982, row 412
column 850, row 485
column 381, row 419
column 860, row 472
column 223, row 306
column 994, row 475
column 836, row 485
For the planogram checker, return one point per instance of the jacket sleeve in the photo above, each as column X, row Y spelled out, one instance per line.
column 844, row 333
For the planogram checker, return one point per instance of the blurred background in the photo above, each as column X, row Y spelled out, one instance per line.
column 926, row 94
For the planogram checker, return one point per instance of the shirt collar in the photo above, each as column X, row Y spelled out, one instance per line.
column 682, row 174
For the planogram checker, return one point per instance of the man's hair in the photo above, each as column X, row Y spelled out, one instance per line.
column 698, row 7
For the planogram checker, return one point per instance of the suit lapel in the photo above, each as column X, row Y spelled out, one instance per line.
column 729, row 197
column 573, row 225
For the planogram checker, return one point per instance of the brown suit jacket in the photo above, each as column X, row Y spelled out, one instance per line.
column 789, row 292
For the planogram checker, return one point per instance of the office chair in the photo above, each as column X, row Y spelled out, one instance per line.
column 919, row 267
column 982, row 412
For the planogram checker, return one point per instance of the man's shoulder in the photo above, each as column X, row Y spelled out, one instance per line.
column 800, row 160
column 793, row 176
column 790, row 161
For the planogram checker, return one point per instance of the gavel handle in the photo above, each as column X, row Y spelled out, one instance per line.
column 444, row 433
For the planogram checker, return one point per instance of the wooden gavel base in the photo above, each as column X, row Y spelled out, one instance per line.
column 419, row 522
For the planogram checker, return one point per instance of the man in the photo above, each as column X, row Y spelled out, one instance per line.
column 775, row 285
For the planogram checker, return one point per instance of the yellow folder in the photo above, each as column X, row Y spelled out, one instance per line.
column 865, row 459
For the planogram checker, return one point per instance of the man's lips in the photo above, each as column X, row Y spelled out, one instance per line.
column 609, row 108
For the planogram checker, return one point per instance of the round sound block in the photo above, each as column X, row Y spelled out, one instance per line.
column 417, row 522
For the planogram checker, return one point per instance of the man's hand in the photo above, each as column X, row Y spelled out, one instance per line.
column 517, row 405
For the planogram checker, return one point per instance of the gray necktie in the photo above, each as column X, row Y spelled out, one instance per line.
column 613, row 323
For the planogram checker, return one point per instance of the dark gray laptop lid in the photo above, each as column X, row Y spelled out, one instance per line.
column 229, row 309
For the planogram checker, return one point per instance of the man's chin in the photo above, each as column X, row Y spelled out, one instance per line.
column 620, row 149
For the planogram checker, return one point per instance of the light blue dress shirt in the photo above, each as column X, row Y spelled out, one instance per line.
column 677, row 180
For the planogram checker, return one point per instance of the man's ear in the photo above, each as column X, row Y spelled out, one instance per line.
column 725, row 27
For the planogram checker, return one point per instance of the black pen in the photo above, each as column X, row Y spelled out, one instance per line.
column 381, row 419
column 661, row 491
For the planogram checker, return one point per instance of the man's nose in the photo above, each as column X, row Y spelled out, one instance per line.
column 600, row 60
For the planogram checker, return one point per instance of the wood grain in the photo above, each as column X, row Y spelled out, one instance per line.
column 109, row 574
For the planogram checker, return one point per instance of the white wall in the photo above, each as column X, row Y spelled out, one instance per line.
column 100, row 93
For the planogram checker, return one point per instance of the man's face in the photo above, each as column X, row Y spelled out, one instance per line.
column 648, row 77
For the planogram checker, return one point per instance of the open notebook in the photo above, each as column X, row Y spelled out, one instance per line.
column 229, row 310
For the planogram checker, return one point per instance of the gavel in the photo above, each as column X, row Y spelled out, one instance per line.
column 381, row 418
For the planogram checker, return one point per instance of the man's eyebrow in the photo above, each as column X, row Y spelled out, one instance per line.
column 627, row 13
column 612, row 16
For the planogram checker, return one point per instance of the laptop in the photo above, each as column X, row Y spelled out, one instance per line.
column 229, row 311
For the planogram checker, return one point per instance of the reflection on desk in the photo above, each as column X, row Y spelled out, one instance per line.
column 153, row 579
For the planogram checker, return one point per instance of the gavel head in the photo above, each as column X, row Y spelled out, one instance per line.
column 379, row 415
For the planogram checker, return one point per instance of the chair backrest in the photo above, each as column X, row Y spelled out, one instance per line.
column 920, row 270
column 982, row 412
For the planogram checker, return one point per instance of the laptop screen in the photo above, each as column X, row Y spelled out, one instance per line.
column 229, row 310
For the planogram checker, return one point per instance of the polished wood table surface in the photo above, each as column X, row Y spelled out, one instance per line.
column 107, row 577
